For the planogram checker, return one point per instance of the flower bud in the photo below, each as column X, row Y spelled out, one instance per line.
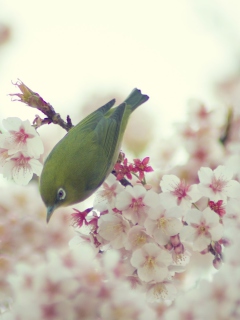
column 175, row 240
column 179, row 249
column 217, row 263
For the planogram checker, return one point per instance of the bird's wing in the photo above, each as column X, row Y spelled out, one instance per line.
column 107, row 132
column 89, row 123
column 107, row 142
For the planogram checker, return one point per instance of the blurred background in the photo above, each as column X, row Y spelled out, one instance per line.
column 78, row 54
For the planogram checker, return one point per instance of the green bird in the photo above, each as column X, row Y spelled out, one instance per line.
column 85, row 156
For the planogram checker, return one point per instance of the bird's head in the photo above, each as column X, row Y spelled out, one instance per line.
column 60, row 189
column 53, row 196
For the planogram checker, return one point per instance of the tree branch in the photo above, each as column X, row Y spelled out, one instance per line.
column 34, row 100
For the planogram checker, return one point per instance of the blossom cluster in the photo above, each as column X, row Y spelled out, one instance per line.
column 146, row 249
column 157, row 233
column 124, row 169
column 20, row 150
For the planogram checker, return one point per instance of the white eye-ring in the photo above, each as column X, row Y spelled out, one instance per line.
column 61, row 194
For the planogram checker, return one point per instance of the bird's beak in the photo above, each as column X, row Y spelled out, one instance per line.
column 50, row 212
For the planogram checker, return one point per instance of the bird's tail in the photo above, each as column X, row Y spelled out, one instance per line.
column 135, row 99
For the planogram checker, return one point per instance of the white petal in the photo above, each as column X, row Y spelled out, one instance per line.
column 211, row 217
column 12, row 123
column 123, row 200
column 201, row 243
column 151, row 249
column 36, row 166
column 138, row 191
column 151, row 198
column 164, row 257
column 161, row 237
column 168, row 200
column 173, row 226
column 205, row 175
column 187, row 233
column 175, row 212
column 169, row 182
column 150, row 226
column 157, row 212
column 193, row 216
column 223, row 173
column 194, row 193
column 217, row 232
column 35, row 147
column 22, row 175
column 137, row 259
column 233, row 189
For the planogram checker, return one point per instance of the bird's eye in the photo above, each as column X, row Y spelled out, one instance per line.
column 61, row 194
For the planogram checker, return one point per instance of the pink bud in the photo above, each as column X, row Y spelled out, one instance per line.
column 218, row 247
column 217, row 263
column 175, row 240
column 168, row 246
column 179, row 249
column 205, row 251
column 225, row 242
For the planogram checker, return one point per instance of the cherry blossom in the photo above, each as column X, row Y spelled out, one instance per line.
column 161, row 291
column 134, row 203
column 203, row 227
column 136, row 238
column 20, row 167
column 180, row 261
column 21, row 136
column 80, row 217
column 218, row 207
column 113, row 227
column 162, row 223
column 142, row 166
column 232, row 217
column 151, row 262
column 123, row 169
column 4, row 155
column 218, row 184
column 178, row 192
column 107, row 193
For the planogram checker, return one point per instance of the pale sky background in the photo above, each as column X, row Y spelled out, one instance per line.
column 71, row 50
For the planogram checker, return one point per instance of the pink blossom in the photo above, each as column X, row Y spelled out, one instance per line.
column 142, row 166
column 218, row 184
column 123, row 169
column 202, row 228
column 151, row 262
column 178, row 192
column 218, row 207
column 21, row 136
column 134, row 203
column 21, row 167
column 79, row 217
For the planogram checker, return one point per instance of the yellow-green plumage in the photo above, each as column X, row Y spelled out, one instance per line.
column 82, row 160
